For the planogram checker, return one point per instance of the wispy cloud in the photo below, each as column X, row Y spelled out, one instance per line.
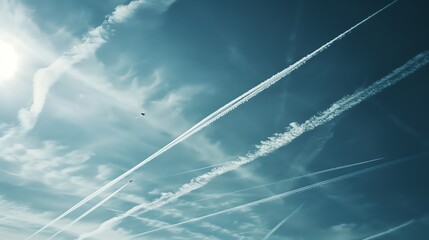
column 391, row 230
column 44, row 78
column 20, row 220
column 49, row 163
column 282, row 222
column 280, row 139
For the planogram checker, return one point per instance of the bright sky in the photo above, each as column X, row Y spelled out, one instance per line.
column 279, row 162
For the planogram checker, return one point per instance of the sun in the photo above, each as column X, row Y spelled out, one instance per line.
column 8, row 61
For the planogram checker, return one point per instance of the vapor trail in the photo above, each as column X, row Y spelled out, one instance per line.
column 280, row 139
column 293, row 178
column 281, row 195
column 231, row 106
column 44, row 78
column 282, row 222
column 90, row 210
column 389, row 231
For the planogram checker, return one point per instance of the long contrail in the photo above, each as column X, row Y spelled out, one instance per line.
column 90, row 210
column 280, row 139
column 394, row 229
column 282, row 222
column 280, row 196
column 293, row 178
column 46, row 77
column 230, row 106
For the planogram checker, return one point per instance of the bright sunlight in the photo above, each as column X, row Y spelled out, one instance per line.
column 8, row 61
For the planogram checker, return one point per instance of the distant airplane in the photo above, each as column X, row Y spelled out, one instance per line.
column 131, row 180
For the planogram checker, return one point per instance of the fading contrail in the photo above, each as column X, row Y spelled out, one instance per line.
column 282, row 195
column 280, row 139
column 90, row 210
column 230, row 106
column 293, row 178
column 282, row 222
column 394, row 229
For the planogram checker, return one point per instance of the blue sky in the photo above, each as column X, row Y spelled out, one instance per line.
column 75, row 76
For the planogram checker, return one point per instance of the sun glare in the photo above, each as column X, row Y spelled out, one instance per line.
column 8, row 61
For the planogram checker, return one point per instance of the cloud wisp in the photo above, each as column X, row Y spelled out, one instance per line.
column 229, row 107
column 394, row 229
column 282, row 222
column 90, row 210
column 44, row 78
column 279, row 139
column 293, row 178
column 283, row 195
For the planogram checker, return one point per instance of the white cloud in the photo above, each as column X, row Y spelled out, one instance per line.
column 49, row 163
column 18, row 221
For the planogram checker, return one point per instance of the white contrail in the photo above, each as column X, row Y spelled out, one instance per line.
column 292, row 178
column 90, row 210
column 231, row 106
column 282, row 222
column 46, row 77
column 280, row 196
column 264, row 85
column 394, row 229
column 280, row 139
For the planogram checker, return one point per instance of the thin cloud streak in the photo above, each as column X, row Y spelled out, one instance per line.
column 283, row 195
column 44, row 79
column 90, row 210
column 280, row 139
column 232, row 105
column 389, row 230
column 282, row 222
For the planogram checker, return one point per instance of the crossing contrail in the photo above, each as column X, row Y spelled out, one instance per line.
column 195, row 170
column 90, row 210
column 230, row 106
column 282, row 195
column 279, row 139
column 394, row 229
column 292, row 179
column 282, row 222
